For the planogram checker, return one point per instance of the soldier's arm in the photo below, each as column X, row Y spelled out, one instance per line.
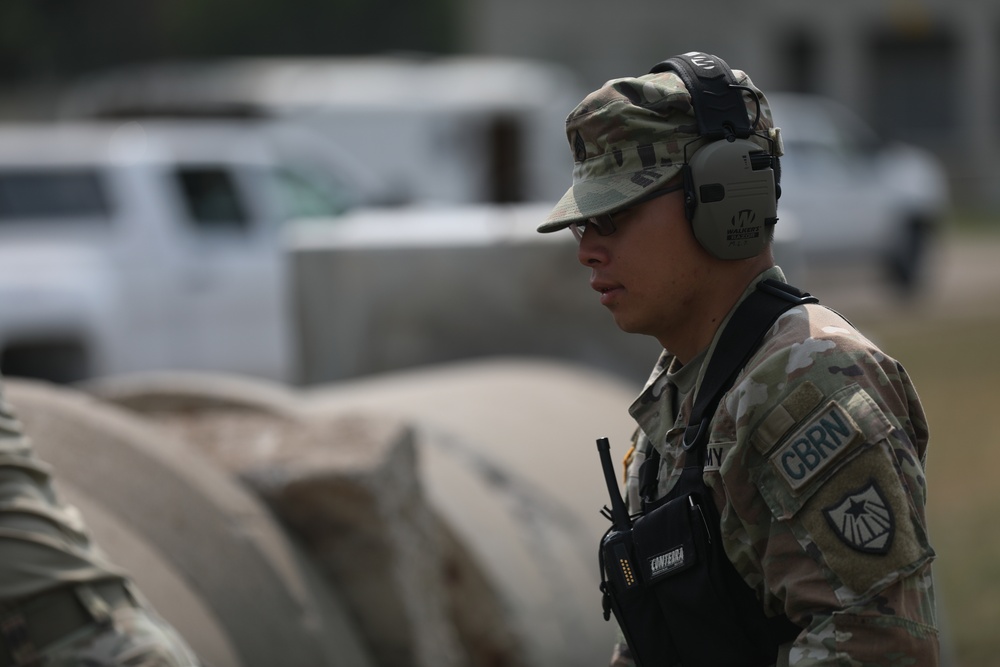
column 836, row 511
column 893, row 627
column 861, row 586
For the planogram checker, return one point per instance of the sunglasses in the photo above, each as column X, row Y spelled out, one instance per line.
column 604, row 224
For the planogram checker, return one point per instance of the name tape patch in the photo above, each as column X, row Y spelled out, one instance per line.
column 810, row 450
column 666, row 562
column 714, row 455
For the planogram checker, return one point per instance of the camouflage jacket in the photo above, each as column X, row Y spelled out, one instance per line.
column 43, row 541
column 816, row 462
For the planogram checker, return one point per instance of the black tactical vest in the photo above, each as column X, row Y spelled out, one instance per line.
column 681, row 602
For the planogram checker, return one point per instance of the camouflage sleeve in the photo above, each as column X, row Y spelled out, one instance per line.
column 621, row 656
column 890, row 628
column 823, row 500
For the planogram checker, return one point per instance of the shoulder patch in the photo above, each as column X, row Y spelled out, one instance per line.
column 863, row 520
column 803, row 400
column 809, row 451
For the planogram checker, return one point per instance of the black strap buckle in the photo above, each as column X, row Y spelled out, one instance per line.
column 693, row 435
column 786, row 291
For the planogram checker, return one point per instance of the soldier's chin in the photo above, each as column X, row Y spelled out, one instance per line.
column 627, row 325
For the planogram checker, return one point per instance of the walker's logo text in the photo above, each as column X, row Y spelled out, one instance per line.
column 667, row 562
column 863, row 520
column 743, row 227
column 809, row 450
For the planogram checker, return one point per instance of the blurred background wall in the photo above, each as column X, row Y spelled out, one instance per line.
column 920, row 70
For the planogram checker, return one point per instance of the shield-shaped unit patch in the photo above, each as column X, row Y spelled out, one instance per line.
column 863, row 520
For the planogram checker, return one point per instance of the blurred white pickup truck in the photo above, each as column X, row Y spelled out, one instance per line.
column 857, row 198
column 170, row 245
column 128, row 247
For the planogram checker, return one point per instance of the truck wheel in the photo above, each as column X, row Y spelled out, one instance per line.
column 907, row 263
column 61, row 361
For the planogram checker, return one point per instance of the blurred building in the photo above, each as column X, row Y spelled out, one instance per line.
column 922, row 71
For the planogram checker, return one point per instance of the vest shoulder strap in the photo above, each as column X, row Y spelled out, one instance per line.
column 737, row 343
column 739, row 340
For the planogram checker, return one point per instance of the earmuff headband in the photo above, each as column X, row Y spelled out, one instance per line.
column 718, row 103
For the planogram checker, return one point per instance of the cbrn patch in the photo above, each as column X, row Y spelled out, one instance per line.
column 863, row 520
column 811, row 449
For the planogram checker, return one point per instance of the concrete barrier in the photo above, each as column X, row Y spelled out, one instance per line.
column 379, row 290
column 382, row 291
column 348, row 490
column 506, row 458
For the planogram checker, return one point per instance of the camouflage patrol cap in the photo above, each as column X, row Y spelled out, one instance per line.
column 629, row 138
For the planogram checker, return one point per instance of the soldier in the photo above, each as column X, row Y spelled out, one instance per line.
column 814, row 456
column 62, row 602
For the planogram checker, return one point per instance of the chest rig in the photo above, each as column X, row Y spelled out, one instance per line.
column 665, row 574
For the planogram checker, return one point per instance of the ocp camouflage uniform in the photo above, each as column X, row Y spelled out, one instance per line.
column 62, row 602
column 815, row 460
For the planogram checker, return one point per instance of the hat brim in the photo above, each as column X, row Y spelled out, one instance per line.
column 604, row 195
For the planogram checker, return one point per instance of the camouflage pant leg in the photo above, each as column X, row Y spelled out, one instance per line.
column 135, row 637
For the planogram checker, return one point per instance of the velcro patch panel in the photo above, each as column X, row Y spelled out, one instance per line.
column 793, row 409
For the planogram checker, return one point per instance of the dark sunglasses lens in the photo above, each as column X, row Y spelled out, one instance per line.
column 604, row 225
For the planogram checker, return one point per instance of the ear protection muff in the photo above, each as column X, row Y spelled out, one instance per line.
column 729, row 182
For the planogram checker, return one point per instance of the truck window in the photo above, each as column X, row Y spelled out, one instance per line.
column 301, row 197
column 211, row 198
column 505, row 137
column 52, row 193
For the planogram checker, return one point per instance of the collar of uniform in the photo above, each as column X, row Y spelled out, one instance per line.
column 684, row 376
column 647, row 409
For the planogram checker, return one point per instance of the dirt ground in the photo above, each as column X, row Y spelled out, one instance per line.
column 963, row 281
